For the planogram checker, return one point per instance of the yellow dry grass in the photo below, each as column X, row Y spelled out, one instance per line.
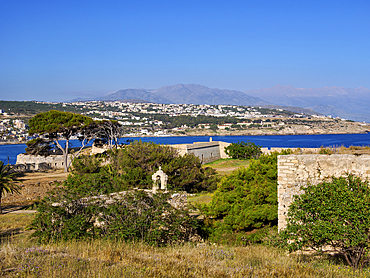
column 22, row 257
column 101, row 258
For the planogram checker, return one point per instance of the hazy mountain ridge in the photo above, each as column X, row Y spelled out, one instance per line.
column 135, row 94
column 187, row 94
column 198, row 94
column 335, row 101
column 340, row 102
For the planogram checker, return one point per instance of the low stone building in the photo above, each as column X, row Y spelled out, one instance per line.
column 33, row 162
column 206, row 151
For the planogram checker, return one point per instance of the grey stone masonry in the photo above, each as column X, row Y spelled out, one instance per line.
column 297, row 171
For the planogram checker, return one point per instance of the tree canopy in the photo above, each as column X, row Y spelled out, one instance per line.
column 243, row 150
column 57, row 125
column 245, row 200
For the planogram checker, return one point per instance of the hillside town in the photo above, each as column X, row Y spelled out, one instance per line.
column 153, row 119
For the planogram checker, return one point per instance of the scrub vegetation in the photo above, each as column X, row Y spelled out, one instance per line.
column 229, row 231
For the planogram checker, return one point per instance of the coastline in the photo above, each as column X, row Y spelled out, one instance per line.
column 232, row 133
column 255, row 133
column 13, row 143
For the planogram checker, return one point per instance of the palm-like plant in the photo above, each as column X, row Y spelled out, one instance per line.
column 7, row 184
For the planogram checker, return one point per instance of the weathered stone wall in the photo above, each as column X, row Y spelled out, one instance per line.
column 53, row 161
column 301, row 150
column 27, row 167
column 297, row 171
column 207, row 152
column 223, row 145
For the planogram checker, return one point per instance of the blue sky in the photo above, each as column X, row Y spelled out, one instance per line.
column 58, row 50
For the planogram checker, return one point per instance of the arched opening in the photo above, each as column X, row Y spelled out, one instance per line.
column 158, row 182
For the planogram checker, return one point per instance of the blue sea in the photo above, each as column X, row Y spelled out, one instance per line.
column 10, row 152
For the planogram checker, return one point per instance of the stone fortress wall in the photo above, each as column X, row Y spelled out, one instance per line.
column 297, row 171
column 206, row 151
column 39, row 162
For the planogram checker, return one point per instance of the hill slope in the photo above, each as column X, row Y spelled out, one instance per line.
column 336, row 101
column 198, row 94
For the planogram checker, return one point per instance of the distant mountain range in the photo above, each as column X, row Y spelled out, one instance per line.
column 340, row 102
column 192, row 93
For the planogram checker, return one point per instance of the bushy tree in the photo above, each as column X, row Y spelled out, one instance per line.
column 57, row 125
column 243, row 150
column 186, row 173
column 335, row 214
column 91, row 176
column 109, row 132
column 246, row 199
column 39, row 146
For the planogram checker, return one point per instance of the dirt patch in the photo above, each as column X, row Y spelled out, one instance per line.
column 42, row 176
column 34, row 186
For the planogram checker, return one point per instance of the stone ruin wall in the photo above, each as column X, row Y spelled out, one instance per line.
column 32, row 162
column 296, row 171
column 206, row 151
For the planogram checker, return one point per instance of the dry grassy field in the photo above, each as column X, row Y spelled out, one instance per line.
column 22, row 257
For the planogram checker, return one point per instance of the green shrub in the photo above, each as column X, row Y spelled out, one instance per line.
column 85, row 164
column 336, row 214
column 136, row 163
column 245, row 200
column 325, row 150
column 243, row 150
column 136, row 215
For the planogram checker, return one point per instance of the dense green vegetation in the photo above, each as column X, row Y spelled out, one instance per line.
column 136, row 163
column 245, row 201
column 335, row 214
column 243, row 150
column 134, row 215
